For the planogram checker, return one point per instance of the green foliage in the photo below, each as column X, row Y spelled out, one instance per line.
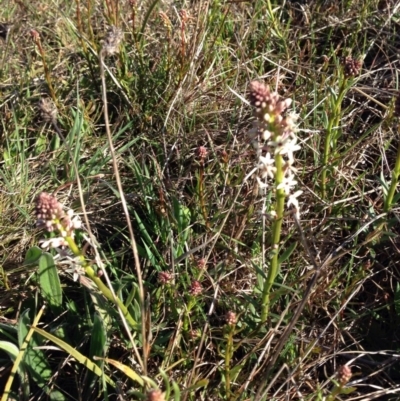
column 49, row 282
column 177, row 84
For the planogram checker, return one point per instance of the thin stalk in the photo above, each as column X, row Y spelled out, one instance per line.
column 228, row 358
column 126, row 212
column 331, row 138
column 36, row 39
column 276, row 237
column 395, row 179
column 100, row 285
column 201, row 194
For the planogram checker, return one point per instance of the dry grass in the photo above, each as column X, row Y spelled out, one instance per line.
column 176, row 85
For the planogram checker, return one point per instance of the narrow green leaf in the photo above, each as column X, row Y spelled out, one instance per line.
column 98, row 341
column 129, row 372
column 34, row 358
column 75, row 354
column 12, row 350
column 397, row 300
column 288, row 251
column 50, row 282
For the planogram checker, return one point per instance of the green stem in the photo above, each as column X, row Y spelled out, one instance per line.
column 228, row 357
column 276, row 237
column 395, row 179
column 335, row 391
column 331, row 135
column 100, row 285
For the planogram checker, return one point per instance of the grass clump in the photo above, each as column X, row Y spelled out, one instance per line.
column 215, row 191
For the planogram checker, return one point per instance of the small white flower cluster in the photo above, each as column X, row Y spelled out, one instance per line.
column 66, row 228
column 274, row 135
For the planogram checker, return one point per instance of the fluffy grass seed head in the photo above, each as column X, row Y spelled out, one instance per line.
column 112, row 40
column 48, row 110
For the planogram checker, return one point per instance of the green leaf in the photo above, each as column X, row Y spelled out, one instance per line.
column 126, row 370
column 286, row 254
column 98, row 342
column 33, row 255
column 49, row 282
column 12, row 350
column 34, row 358
column 397, row 299
column 348, row 390
column 75, row 354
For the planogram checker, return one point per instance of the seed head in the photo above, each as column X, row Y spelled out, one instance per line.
column 343, row 374
column 164, row 277
column 195, row 288
column 112, row 41
column 352, row 67
column 35, row 35
column 48, row 110
column 201, row 153
column 185, row 16
column 230, row 318
column 166, row 21
column 201, row 264
column 155, row 395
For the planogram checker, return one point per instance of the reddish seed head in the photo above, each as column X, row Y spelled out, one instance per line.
column 155, row 395
column 343, row 374
column 202, row 152
column 34, row 35
column 352, row 67
column 195, row 288
column 259, row 94
column 201, row 263
column 164, row 277
column 230, row 318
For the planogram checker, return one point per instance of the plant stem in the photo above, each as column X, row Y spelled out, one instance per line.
column 228, row 358
column 276, row 237
column 395, row 179
column 100, row 285
column 332, row 137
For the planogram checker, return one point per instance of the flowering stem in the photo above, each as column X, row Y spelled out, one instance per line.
column 201, row 194
column 228, row 357
column 100, row 285
column 395, row 179
column 276, row 237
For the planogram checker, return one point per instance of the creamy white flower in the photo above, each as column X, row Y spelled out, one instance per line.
column 262, row 184
column 293, row 201
column 267, row 166
column 288, row 183
column 53, row 243
column 266, row 135
column 76, row 222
